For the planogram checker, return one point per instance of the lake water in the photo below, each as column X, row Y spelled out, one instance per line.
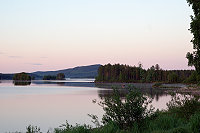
column 48, row 104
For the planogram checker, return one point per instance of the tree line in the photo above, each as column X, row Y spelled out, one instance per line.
column 130, row 74
column 59, row 76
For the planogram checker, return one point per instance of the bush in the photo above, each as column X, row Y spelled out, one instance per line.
column 195, row 123
column 33, row 129
column 165, row 122
column 193, row 78
column 67, row 128
column 133, row 108
column 110, row 127
column 184, row 106
column 180, row 130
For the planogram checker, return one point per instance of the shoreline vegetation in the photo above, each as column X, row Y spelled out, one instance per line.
column 121, row 76
column 119, row 73
column 134, row 113
column 182, row 81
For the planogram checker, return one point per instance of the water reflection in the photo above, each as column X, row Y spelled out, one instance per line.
column 63, row 83
column 22, row 83
column 146, row 89
column 152, row 93
column 50, row 103
column 106, row 88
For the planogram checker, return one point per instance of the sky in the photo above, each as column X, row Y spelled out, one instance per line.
column 60, row 34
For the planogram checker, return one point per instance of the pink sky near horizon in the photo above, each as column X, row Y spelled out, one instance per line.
column 61, row 35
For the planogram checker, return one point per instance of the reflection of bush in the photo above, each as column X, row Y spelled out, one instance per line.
column 149, row 91
column 60, row 83
column 22, row 83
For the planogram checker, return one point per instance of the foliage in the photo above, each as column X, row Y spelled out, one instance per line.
column 95, row 120
column 67, row 128
column 49, row 77
column 184, row 106
column 172, row 78
column 22, row 77
column 126, row 73
column 195, row 123
column 193, row 78
column 194, row 57
column 110, row 127
column 125, row 112
column 164, row 121
column 33, row 129
column 60, row 76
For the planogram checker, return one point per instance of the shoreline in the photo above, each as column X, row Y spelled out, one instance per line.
column 192, row 89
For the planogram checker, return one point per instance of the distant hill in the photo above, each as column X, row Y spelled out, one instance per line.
column 77, row 72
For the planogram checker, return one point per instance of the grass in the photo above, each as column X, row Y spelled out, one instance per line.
column 162, row 123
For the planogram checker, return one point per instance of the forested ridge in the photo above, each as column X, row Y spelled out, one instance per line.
column 130, row 74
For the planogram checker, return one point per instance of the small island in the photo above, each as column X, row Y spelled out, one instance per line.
column 22, row 79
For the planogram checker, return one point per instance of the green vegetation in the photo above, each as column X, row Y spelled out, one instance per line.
column 21, row 77
column 193, row 78
column 128, row 74
column 134, row 114
column 49, row 77
column 33, row 129
column 172, row 78
column 194, row 57
column 59, row 76
column 125, row 113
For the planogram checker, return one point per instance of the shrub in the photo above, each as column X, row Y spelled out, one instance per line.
column 180, row 130
column 67, row 128
column 195, row 123
column 133, row 108
column 110, row 127
column 184, row 106
column 164, row 122
column 193, row 78
column 33, row 129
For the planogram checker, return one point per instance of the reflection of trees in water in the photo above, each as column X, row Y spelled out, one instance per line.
column 21, row 83
column 64, row 83
column 60, row 83
column 155, row 93
column 146, row 89
column 108, row 92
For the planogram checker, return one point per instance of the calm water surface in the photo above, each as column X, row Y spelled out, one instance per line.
column 48, row 104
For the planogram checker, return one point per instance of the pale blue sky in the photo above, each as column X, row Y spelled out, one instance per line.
column 57, row 34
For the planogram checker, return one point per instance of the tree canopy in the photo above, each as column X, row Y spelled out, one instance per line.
column 60, row 76
column 22, row 77
column 194, row 57
column 129, row 74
